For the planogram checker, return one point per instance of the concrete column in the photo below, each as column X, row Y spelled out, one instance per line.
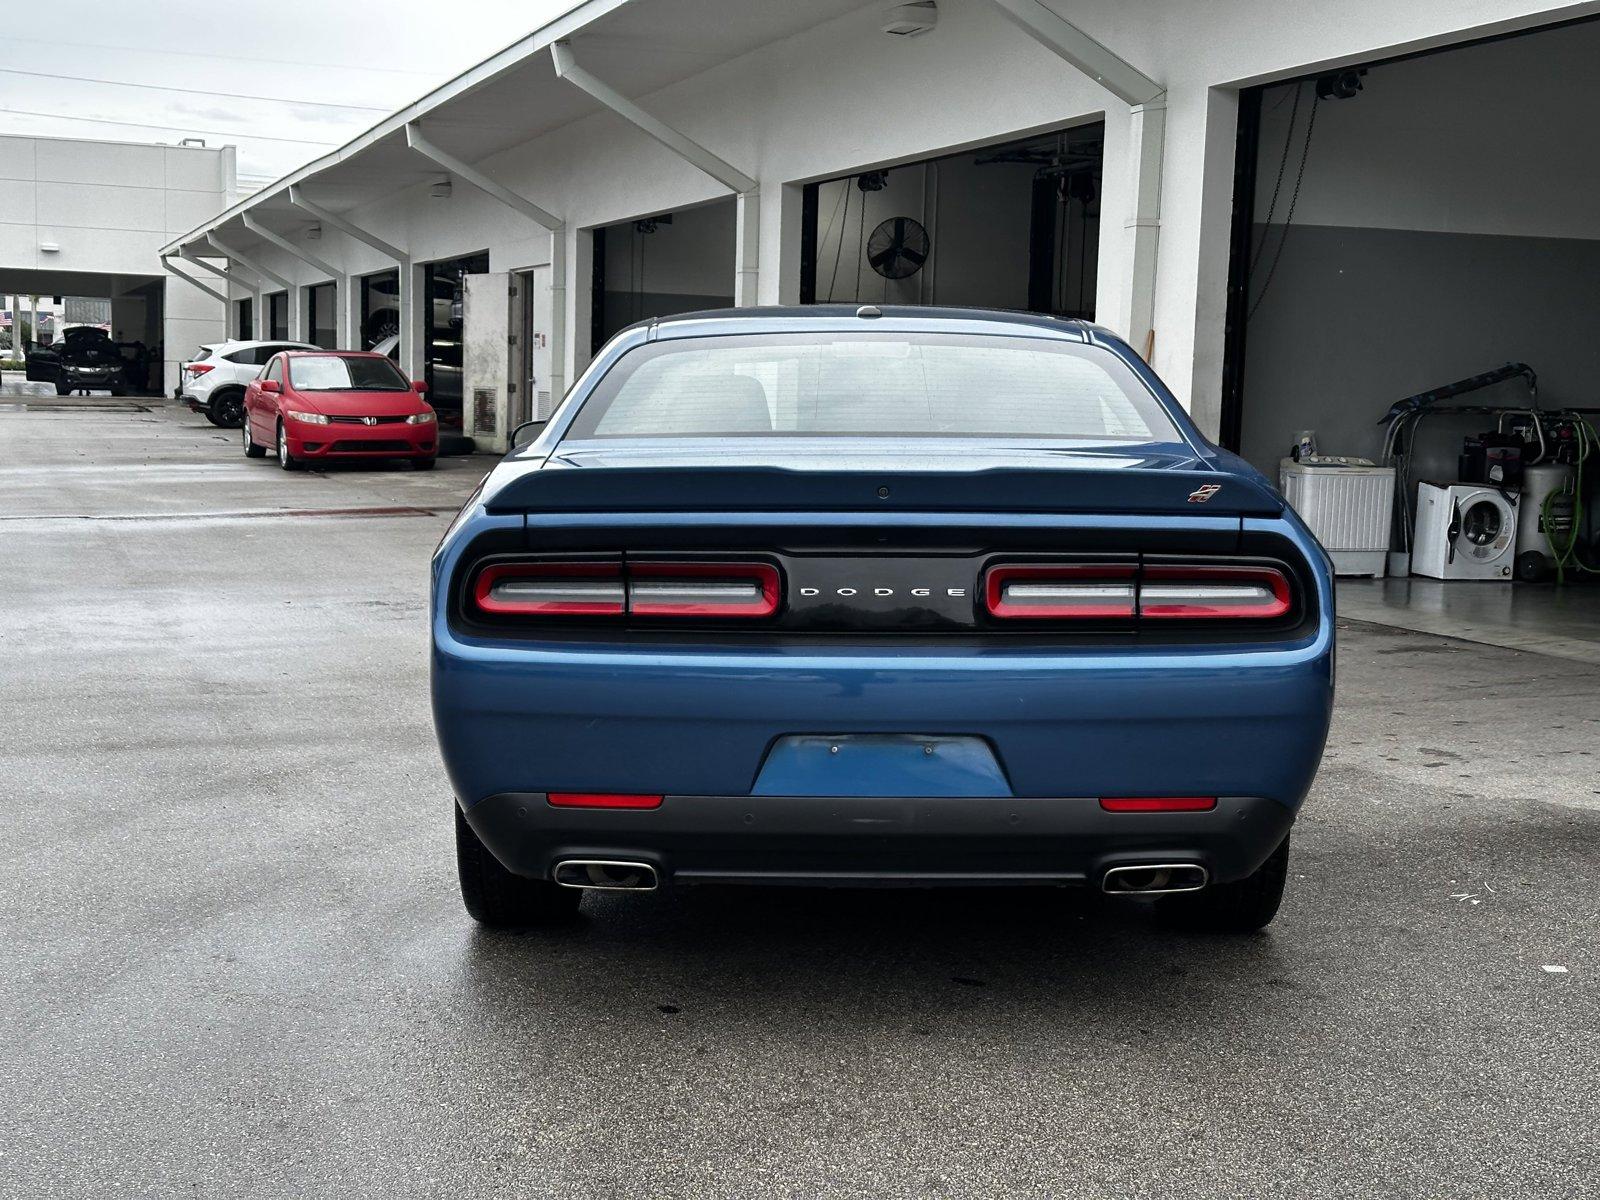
column 1142, row 239
column 747, row 249
column 780, row 245
column 349, row 320
column 413, row 320
column 1191, row 295
column 560, row 324
column 579, row 304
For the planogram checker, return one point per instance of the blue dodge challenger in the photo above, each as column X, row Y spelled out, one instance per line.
column 878, row 596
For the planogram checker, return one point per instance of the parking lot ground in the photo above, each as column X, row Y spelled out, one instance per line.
column 234, row 963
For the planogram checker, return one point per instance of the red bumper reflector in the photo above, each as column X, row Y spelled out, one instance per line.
column 1158, row 803
column 602, row 800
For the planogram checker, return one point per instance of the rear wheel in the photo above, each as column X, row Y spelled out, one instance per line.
column 499, row 899
column 227, row 409
column 1243, row 906
column 63, row 389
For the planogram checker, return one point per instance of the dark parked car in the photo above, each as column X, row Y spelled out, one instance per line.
column 85, row 359
column 913, row 597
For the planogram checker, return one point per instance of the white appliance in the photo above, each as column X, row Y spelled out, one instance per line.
column 1347, row 503
column 1533, row 538
column 1464, row 531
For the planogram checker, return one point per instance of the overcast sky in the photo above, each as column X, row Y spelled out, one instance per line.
column 284, row 80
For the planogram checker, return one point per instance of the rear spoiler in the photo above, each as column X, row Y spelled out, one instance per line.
column 776, row 489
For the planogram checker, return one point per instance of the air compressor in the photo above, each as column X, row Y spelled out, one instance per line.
column 1548, row 507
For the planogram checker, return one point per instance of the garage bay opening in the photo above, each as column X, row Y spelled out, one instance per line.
column 675, row 262
column 1013, row 225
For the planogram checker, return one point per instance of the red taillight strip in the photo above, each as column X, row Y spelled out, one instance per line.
column 608, row 599
column 1143, row 804
column 611, row 588
column 1087, row 591
column 1213, row 592
column 602, row 800
column 1113, row 591
column 699, row 594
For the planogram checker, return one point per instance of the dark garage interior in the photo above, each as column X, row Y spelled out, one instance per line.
column 1415, row 224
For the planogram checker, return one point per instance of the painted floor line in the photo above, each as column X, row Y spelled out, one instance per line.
column 397, row 510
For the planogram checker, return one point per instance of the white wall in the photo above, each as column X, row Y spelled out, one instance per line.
column 110, row 207
column 843, row 97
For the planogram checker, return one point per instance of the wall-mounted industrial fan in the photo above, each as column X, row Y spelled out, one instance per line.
column 898, row 248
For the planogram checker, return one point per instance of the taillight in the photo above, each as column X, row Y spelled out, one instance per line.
column 613, row 588
column 702, row 589
column 1143, row 804
column 551, row 589
column 1254, row 593
column 1114, row 591
column 1066, row 591
column 602, row 800
column 199, row 368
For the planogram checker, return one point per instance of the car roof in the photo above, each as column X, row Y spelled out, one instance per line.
column 835, row 318
column 247, row 344
column 336, row 353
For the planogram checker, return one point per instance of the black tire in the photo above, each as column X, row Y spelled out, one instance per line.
column 227, row 408
column 286, row 460
column 251, row 449
column 63, row 389
column 206, row 412
column 497, row 898
column 1243, row 906
column 424, row 464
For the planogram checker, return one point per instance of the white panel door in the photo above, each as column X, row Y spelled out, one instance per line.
column 487, row 355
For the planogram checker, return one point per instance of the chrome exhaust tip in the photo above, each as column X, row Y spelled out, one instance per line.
column 1154, row 879
column 606, row 875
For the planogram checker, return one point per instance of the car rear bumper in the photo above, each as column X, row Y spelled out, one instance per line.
column 937, row 841
column 702, row 721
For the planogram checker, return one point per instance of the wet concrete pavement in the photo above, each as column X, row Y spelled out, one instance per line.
column 234, row 962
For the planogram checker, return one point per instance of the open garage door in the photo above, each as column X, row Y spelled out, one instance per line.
column 660, row 265
column 1013, row 225
column 103, row 332
column 1403, row 231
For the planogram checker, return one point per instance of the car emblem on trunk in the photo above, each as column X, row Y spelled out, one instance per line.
column 1204, row 492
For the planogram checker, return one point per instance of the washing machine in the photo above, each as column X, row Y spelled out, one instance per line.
column 1464, row 531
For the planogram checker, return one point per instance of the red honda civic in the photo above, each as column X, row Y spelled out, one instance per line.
column 343, row 404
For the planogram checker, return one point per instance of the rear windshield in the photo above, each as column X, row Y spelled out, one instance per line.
column 334, row 373
column 890, row 384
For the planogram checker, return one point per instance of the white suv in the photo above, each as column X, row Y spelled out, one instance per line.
column 213, row 381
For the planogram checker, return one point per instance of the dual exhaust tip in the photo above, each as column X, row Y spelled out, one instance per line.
column 1136, row 879
column 1154, row 879
column 607, row 875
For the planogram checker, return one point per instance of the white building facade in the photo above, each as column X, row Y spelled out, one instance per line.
column 85, row 218
column 625, row 113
